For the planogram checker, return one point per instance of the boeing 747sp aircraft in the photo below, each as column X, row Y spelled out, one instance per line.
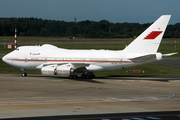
column 52, row 60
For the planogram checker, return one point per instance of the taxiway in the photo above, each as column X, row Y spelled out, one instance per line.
column 38, row 95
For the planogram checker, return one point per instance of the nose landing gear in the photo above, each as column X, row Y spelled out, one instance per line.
column 24, row 74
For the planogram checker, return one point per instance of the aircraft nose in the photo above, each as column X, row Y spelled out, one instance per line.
column 4, row 58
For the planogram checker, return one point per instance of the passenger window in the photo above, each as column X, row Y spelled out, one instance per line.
column 17, row 48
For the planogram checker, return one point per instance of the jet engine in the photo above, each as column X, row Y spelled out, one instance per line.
column 48, row 70
column 65, row 70
column 56, row 70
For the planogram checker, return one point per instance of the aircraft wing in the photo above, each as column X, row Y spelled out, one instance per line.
column 47, row 64
column 144, row 58
column 79, row 65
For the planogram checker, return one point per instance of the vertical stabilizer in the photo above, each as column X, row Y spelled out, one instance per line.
column 150, row 39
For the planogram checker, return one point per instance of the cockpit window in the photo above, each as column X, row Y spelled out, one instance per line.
column 17, row 48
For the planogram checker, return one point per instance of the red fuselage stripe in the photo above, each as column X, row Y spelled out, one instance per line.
column 35, row 60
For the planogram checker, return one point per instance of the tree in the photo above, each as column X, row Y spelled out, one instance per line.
column 92, row 29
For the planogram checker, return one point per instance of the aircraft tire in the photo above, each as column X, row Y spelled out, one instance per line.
column 88, row 76
column 75, row 76
column 24, row 74
column 70, row 76
column 83, row 76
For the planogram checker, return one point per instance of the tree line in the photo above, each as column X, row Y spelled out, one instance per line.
column 85, row 29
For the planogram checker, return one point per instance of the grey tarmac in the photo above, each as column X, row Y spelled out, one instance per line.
column 38, row 95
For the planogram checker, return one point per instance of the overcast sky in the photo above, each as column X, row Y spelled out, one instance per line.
column 139, row 11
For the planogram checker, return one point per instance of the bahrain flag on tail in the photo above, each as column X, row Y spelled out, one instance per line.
column 153, row 34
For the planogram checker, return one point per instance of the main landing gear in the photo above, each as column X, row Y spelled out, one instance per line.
column 87, row 75
column 24, row 74
column 73, row 76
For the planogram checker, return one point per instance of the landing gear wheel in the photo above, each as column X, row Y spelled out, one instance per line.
column 70, row 76
column 24, row 74
column 73, row 76
column 88, row 76
column 83, row 76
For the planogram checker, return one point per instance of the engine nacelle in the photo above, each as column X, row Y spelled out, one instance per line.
column 63, row 70
column 48, row 70
column 54, row 70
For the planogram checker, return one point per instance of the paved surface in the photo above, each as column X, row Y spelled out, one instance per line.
column 164, row 115
column 38, row 95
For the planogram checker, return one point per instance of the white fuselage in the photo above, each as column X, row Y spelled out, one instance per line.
column 33, row 57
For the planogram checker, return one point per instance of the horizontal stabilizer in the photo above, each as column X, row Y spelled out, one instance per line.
column 169, row 54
